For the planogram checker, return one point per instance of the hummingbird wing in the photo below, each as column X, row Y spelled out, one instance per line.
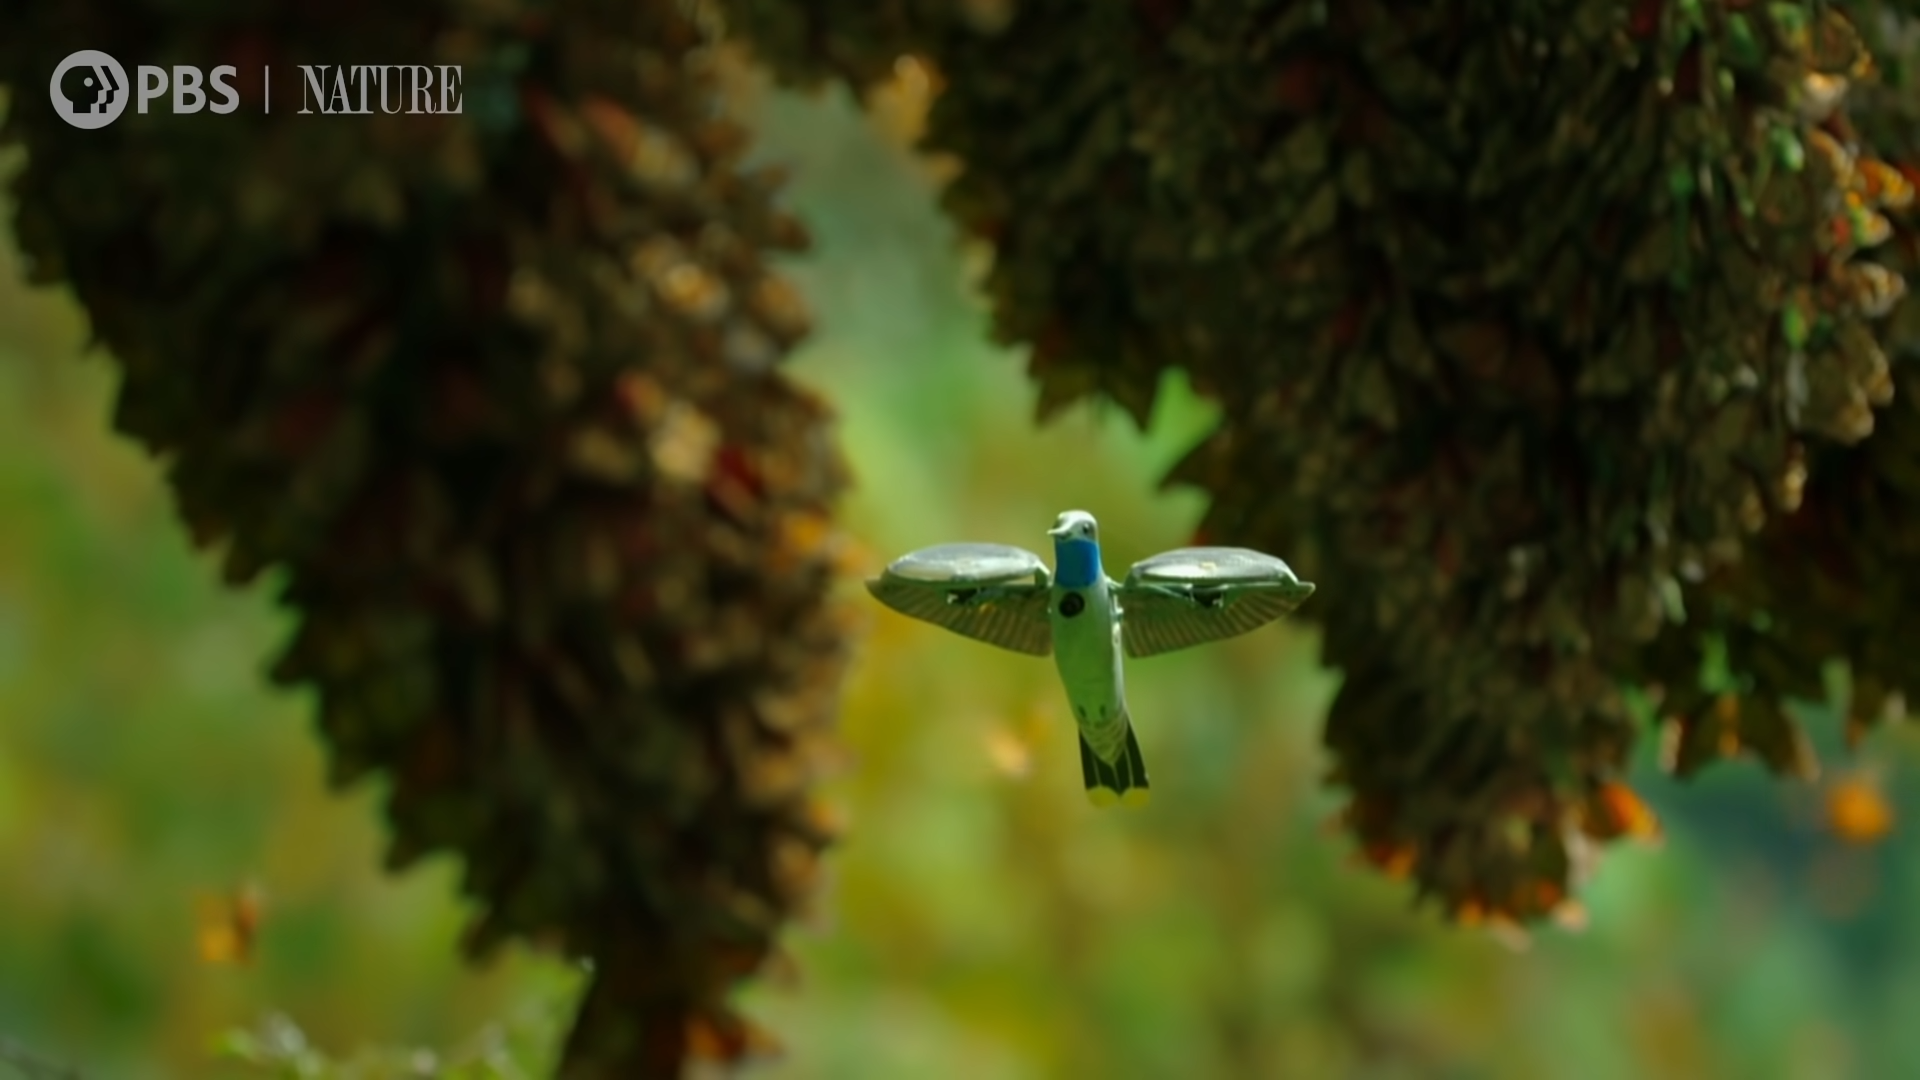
column 989, row 592
column 1190, row 596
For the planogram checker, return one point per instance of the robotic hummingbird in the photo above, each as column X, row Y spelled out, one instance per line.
column 1006, row 596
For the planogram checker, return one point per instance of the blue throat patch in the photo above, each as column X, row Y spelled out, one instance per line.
column 1076, row 563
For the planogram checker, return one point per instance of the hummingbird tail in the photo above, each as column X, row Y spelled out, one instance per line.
column 1123, row 780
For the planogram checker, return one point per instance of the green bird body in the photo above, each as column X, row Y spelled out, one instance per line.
column 1086, row 618
column 1006, row 596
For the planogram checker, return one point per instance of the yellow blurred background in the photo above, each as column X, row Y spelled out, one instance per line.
column 175, row 878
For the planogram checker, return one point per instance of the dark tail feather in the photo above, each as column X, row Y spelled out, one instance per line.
column 1122, row 781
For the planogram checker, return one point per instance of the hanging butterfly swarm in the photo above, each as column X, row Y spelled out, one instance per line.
column 1525, row 319
column 493, row 396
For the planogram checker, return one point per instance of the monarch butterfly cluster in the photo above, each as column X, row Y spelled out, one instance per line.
column 1868, row 189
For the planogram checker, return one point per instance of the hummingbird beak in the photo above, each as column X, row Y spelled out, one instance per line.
column 1059, row 531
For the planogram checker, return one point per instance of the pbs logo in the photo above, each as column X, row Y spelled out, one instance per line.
column 101, row 94
column 90, row 89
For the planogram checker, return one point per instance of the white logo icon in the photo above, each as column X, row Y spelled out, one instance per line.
column 101, row 90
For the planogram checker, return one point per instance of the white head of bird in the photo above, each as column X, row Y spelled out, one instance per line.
column 1075, row 523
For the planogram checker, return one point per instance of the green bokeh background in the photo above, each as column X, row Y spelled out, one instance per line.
column 981, row 921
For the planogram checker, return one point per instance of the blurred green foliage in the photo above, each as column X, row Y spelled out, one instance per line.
column 980, row 921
